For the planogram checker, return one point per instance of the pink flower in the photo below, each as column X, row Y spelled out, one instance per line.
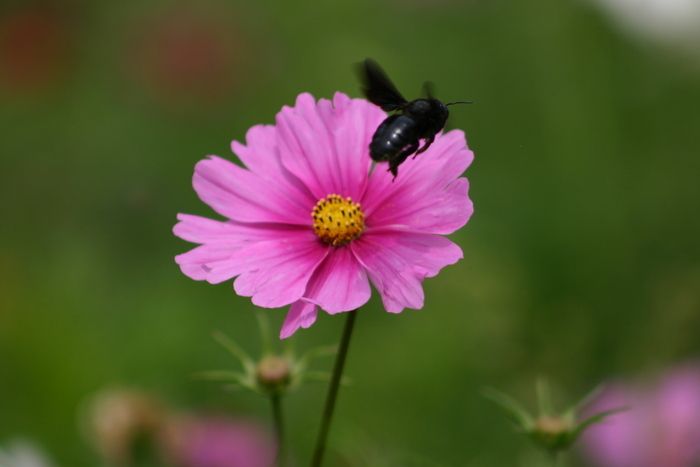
column 311, row 224
column 218, row 442
column 662, row 427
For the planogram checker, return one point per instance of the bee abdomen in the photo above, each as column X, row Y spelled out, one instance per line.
column 394, row 134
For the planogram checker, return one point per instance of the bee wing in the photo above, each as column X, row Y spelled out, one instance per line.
column 429, row 89
column 378, row 88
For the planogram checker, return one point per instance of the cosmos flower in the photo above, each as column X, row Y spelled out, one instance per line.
column 310, row 223
column 218, row 442
column 661, row 428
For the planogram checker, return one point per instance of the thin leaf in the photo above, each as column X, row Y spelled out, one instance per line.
column 518, row 415
column 572, row 411
column 232, row 378
column 235, row 350
column 592, row 420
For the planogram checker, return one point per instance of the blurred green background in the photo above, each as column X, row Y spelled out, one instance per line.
column 581, row 261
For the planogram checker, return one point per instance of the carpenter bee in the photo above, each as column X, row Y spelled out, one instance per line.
column 398, row 135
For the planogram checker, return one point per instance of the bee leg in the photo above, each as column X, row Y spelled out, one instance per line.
column 426, row 145
column 395, row 162
column 394, row 169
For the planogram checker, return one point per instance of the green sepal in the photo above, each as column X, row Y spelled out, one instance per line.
column 520, row 417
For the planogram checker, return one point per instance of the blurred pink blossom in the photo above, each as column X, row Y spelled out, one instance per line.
column 218, row 442
column 661, row 428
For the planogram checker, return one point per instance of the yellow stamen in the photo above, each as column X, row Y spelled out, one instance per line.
column 338, row 220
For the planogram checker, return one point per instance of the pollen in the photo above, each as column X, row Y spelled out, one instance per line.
column 337, row 220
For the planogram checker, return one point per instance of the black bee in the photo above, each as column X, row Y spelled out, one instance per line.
column 398, row 136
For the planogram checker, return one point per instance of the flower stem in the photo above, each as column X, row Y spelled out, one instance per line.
column 556, row 459
column 276, row 399
column 333, row 390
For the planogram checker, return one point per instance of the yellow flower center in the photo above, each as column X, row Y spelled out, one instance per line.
column 338, row 220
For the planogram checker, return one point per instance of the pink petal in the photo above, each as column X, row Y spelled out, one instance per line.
column 237, row 193
column 326, row 145
column 261, row 155
column 352, row 123
column 441, row 212
column 427, row 196
column 339, row 284
column 199, row 229
column 397, row 262
column 220, row 241
column 195, row 263
column 282, row 283
column 274, row 272
column 302, row 314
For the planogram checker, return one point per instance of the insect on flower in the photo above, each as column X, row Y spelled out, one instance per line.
column 309, row 224
column 399, row 135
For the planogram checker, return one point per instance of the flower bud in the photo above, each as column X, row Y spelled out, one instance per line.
column 274, row 373
column 551, row 432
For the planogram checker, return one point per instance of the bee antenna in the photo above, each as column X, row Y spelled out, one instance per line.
column 460, row 102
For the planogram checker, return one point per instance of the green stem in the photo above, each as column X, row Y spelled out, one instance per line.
column 333, row 390
column 276, row 399
column 556, row 459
